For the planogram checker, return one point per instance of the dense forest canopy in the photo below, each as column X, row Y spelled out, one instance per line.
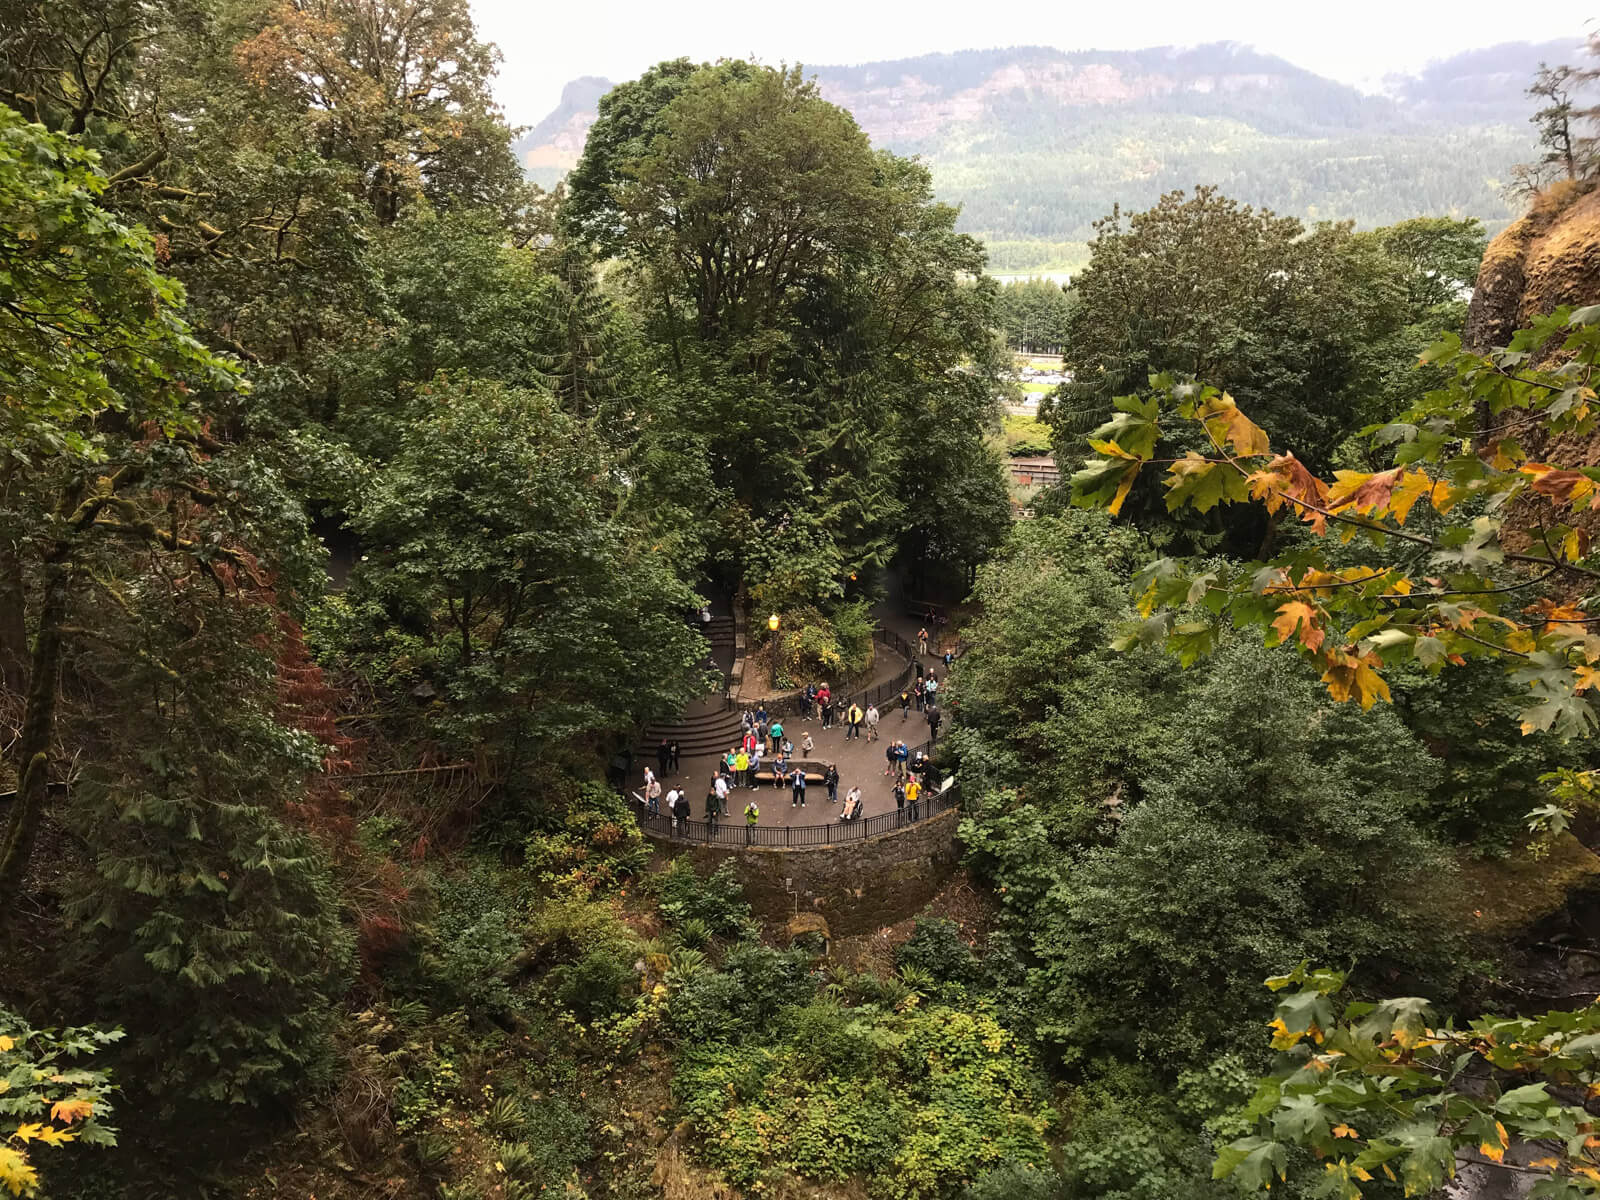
column 361, row 504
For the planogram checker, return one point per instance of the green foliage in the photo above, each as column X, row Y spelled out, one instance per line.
column 1128, row 1141
column 476, row 935
column 1384, row 1091
column 813, row 646
column 937, row 947
column 1137, row 820
column 594, row 987
column 595, row 848
column 1025, row 435
column 566, row 928
column 1014, row 1182
column 1293, row 310
column 1450, row 588
column 743, row 999
column 1033, row 314
column 216, row 932
column 498, row 571
column 716, row 900
column 914, row 1102
column 93, row 326
column 821, row 379
column 46, row 1098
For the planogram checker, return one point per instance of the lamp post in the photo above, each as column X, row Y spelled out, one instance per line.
column 777, row 646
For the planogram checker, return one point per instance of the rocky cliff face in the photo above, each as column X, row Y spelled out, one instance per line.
column 1548, row 258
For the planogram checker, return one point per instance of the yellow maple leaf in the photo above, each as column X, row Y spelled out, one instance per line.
column 1413, row 485
column 1344, row 1131
column 1225, row 423
column 6, row 1043
column 16, row 1173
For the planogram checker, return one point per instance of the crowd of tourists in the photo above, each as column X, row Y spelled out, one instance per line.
column 768, row 756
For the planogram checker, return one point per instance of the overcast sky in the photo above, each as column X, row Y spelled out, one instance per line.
column 1358, row 41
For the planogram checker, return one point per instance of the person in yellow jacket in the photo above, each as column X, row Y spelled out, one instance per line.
column 752, row 814
column 741, row 769
column 913, row 794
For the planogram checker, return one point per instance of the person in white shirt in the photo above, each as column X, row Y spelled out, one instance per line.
column 852, row 805
column 721, row 788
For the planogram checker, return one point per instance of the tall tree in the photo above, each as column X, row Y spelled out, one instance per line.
column 1202, row 286
column 103, row 379
column 499, row 574
column 810, row 296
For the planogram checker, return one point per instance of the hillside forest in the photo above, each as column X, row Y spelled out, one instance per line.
column 361, row 503
column 1034, row 143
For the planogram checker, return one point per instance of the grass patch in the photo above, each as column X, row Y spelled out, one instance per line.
column 1023, row 434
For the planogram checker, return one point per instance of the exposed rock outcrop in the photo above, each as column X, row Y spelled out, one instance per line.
column 1548, row 258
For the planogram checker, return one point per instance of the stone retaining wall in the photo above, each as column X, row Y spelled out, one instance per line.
column 859, row 885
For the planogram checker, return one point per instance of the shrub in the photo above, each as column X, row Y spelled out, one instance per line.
column 596, row 846
column 1015, row 1181
column 594, row 987
column 475, row 940
column 567, row 928
column 744, row 998
column 937, row 947
column 716, row 900
column 914, row 1102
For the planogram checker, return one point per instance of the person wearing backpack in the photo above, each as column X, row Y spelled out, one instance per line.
column 905, row 705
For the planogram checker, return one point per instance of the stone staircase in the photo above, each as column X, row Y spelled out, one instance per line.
column 707, row 725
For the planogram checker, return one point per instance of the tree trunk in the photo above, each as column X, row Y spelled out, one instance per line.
column 13, row 609
column 38, row 731
column 13, row 625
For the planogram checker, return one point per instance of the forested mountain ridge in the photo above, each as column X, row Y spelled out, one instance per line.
column 1035, row 143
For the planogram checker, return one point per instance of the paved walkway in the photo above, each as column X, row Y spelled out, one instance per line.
column 860, row 762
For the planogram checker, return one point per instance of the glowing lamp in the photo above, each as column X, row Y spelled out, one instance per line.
column 772, row 622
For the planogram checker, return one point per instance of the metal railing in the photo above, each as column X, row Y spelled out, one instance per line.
column 734, row 832
column 794, row 704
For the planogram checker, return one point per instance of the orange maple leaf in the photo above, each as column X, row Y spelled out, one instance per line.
column 1567, row 487
column 68, row 1111
column 1285, row 480
column 1561, row 618
column 1351, row 676
column 1298, row 615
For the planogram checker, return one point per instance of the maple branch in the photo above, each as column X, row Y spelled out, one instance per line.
column 1494, row 591
column 1554, row 564
column 1378, row 527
